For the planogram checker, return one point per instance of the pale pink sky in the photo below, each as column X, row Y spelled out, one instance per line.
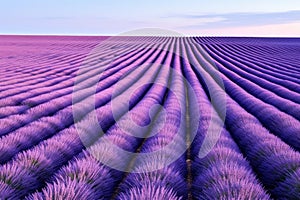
column 285, row 29
column 114, row 17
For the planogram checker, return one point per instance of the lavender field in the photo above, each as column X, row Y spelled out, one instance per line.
column 149, row 118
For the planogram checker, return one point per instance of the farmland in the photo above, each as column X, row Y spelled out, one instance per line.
column 149, row 118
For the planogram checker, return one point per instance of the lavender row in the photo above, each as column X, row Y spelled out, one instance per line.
column 81, row 77
column 68, row 86
column 50, row 108
column 277, row 88
column 88, row 176
column 164, row 150
column 273, row 161
column 277, row 59
column 266, row 48
column 18, row 141
column 279, row 123
column 92, row 58
column 261, row 53
column 271, row 71
column 106, row 119
column 56, row 151
column 38, row 61
column 251, row 85
column 56, row 80
column 277, row 71
column 223, row 173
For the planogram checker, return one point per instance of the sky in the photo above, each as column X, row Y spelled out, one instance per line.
column 117, row 17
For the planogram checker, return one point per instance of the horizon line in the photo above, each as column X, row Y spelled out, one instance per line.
column 111, row 35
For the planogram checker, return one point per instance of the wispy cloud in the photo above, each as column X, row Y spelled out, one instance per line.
column 239, row 19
